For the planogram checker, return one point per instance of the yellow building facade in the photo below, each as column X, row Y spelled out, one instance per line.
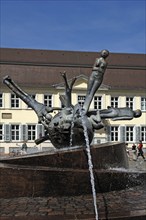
column 19, row 123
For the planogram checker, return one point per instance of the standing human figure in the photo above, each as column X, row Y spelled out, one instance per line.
column 24, row 147
column 140, row 150
column 96, row 78
column 134, row 151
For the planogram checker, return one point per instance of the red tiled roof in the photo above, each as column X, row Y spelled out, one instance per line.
column 41, row 68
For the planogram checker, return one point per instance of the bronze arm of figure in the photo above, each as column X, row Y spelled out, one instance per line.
column 68, row 89
column 41, row 110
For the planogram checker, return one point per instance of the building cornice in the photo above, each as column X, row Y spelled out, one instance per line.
column 70, row 65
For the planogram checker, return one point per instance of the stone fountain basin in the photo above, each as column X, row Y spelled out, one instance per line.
column 35, row 181
column 104, row 156
column 65, row 172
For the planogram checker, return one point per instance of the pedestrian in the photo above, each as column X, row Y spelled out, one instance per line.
column 13, row 153
column 24, row 147
column 140, row 150
column 134, row 152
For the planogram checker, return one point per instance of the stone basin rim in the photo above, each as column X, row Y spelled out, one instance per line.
column 44, row 168
column 62, row 150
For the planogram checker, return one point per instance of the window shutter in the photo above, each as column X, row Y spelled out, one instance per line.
column 24, row 133
column 7, row 133
column 108, row 132
column 122, row 134
column 39, row 130
column 137, row 133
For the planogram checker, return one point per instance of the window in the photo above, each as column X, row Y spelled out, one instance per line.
column 1, row 132
column 14, row 101
column 143, row 103
column 97, row 102
column 114, row 133
column 143, row 133
column 129, row 133
column 129, row 102
column 1, row 100
column 81, row 100
column 15, row 132
column 31, row 132
column 48, row 100
column 114, row 102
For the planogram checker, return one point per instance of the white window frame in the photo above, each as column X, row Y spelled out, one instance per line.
column 15, row 132
column 31, row 132
column 129, row 134
column 98, row 102
column 16, row 100
column 48, row 101
column 114, row 133
column 130, row 102
column 81, row 101
column 115, row 101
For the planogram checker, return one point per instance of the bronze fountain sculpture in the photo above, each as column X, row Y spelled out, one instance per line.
column 66, row 129
column 58, row 128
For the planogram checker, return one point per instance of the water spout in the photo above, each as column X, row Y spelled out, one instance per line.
column 71, row 131
column 90, row 164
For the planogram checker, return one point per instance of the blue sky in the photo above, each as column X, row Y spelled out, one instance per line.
column 81, row 25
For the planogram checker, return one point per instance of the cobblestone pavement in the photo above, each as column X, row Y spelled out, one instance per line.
column 139, row 164
column 124, row 204
column 129, row 202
